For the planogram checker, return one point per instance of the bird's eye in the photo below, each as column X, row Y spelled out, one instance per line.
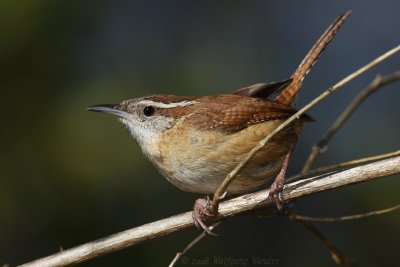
column 149, row 111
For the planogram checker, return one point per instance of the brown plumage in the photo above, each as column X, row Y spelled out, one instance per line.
column 209, row 135
column 226, row 113
column 196, row 141
column 288, row 94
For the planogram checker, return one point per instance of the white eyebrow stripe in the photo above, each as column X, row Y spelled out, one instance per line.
column 169, row 105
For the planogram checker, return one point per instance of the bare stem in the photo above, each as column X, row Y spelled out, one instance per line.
column 375, row 85
column 229, row 178
column 350, row 163
column 345, row 218
column 336, row 255
column 228, row 208
column 237, row 205
column 190, row 245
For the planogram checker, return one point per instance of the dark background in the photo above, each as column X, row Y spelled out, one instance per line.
column 68, row 176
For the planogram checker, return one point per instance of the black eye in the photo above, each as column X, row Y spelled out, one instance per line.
column 149, row 111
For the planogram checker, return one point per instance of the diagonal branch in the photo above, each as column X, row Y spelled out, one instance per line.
column 228, row 208
column 237, row 205
column 230, row 176
column 336, row 255
column 190, row 245
column 345, row 218
column 342, row 165
column 375, row 85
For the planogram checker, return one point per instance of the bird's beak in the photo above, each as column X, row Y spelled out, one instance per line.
column 114, row 109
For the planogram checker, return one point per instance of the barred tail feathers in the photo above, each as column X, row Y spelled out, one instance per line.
column 287, row 96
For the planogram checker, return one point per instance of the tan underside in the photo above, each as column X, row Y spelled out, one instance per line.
column 198, row 161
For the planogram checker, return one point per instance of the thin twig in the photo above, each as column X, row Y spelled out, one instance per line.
column 228, row 208
column 229, row 178
column 336, row 255
column 350, row 163
column 375, row 85
column 301, row 218
column 270, row 213
column 346, row 218
column 190, row 245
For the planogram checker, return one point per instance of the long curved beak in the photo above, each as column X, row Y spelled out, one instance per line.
column 113, row 109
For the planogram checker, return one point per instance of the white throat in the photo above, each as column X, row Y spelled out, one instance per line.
column 147, row 133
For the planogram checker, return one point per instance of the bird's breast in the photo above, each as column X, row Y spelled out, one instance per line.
column 198, row 160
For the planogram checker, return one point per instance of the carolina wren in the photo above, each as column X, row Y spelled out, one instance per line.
column 194, row 141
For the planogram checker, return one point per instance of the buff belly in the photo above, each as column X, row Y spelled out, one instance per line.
column 198, row 162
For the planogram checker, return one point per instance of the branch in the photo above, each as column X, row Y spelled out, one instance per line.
column 190, row 245
column 230, row 176
column 240, row 204
column 228, row 208
column 336, row 255
column 345, row 218
column 375, row 85
column 346, row 164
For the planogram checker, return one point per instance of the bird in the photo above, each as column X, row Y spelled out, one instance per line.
column 195, row 141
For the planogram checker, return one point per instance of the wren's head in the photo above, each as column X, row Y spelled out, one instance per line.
column 146, row 117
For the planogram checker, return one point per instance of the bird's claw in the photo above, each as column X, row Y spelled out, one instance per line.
column 202, row 213
column 276, row 196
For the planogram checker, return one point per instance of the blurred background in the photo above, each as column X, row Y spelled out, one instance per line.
column 68, row 176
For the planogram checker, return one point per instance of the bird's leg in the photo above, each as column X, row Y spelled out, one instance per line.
column 275, row 192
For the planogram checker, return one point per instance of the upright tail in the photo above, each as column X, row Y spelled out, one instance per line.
column 287, row 96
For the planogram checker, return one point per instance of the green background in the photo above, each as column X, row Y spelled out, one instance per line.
column 68, row 176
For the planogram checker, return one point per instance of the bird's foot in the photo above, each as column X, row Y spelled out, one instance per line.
column 203, row 213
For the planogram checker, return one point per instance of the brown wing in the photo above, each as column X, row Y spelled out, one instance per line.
column 231, row 113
